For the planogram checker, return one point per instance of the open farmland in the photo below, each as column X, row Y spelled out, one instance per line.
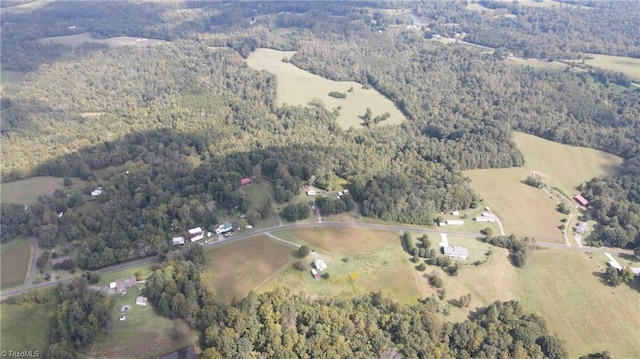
column 14, row 261
column 26, row 7
column 77, row 39
column 523, row 210
column 627, row 65
column 299, row 87
column 26, row 326
column 240, row 267
column 564, row 166
column 567, row 289
column 143, row 334
column 28, row 190
column 359, row 261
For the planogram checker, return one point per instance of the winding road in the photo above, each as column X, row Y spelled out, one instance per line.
column 268, row 231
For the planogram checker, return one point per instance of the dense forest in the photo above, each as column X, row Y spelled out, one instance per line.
column 184, row 123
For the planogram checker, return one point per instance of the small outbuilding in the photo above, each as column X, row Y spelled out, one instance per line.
column 96, row 192
column 581, row 200
column 320, row 264
column 245, row 181
column 311, row 192
column 455, row 222
column 178, row 241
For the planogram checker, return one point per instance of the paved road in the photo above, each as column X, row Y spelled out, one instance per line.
column 267, row 231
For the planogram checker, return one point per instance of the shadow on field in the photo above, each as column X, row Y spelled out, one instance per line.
column 629, row 257
column 602, row 278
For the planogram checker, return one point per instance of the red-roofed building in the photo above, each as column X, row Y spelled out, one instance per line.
column 581, row 200
column 245, row 181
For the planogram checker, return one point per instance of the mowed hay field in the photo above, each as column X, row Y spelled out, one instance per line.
column 628, row 65
column 77, row 39
column 299, row 87
column 566, row 288
column 143, row 334
column 26, row 326
column 564, row 166
column 14, row 262
column 240, row 267
column 358, row 260
column 522, row 209
column 28, row 190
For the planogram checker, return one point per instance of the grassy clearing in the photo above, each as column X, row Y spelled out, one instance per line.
column 28, row 7
column 541, row 64
column 14, row 262
column 259, row 193
column 10, row 77
column 523, row 210
column 240, row 267
column 77, row 39
column 26, row 326
column 299, row 87
column 144, row 333
column 359, row 261
column 628, row 65
column 564, row 166
column 28, row 190
column 567, row 290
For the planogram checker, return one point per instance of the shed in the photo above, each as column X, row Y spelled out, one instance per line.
column 314, row 273
column 178, row 240
column 455, row 213
column 141, row 300
column 96, row 192
column 112, row 285
column 455, row 222
column 245, row 181
column 636, row 271
column 456, row 252
column 311, row 192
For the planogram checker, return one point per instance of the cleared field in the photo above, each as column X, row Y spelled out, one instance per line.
column 359, row 261
column 77, row 39
column 143, row 334
column 28, row 190
column 299, row 87
column 9, row 77
column 564, row 166
column 26, row 326
column 14, row 262
column 540, row 64
column 239, row 267
column 523, row 210
column 28, row 7
column 566, row 288
column 627, row 65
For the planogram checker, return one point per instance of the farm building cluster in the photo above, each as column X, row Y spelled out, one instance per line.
column 198, row 233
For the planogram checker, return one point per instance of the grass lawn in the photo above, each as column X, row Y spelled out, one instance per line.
column 239, row 267
column 541, row 64
column 524, row 210
column 14, row 261
column 564, row 166
column 259, row 193
column 359, row 261
column 299, row 87
column 9, row 77
column 77, row 39
column 105, row 279
column 28, row 190
column 26, row 326
column 628, row 65
column 144, row 333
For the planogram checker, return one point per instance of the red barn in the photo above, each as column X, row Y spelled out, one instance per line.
column 245, row 181
column 583, row 201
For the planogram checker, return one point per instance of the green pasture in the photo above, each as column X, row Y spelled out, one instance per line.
column 26, row 326
column 143, row 334
column 28, row 190
column 14, row 262
column 299, row 87
column 564, row 166
column 523, row 210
